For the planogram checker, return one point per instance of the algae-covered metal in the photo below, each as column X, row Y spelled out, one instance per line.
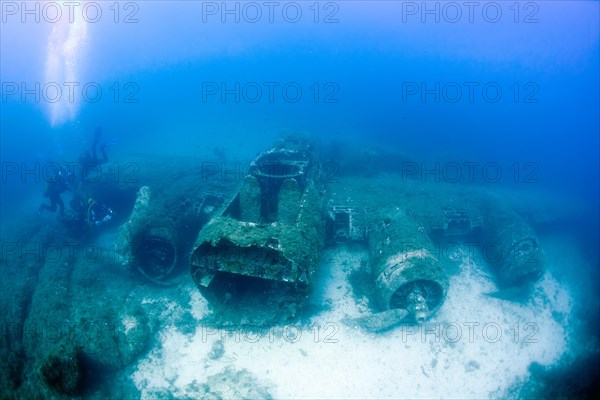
column 155, row 241
column 405, row 266
column 272, row 230
column 409, row 283
column 513, row 251
column 508, row 243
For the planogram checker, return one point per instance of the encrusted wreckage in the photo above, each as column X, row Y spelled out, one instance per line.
column 268, row 237
column 156, row 240
column 272, row 230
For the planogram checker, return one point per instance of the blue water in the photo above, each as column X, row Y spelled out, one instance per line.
column 369, row 58
column 382, row 72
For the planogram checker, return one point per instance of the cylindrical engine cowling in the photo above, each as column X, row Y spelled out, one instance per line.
column 513, row 254
column 511, row 247
column 148, row 242
column 155, row 253
column 406, row 271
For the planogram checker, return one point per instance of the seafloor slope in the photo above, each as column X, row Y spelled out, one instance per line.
column 77, row 323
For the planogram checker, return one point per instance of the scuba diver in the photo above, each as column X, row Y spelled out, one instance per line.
column 56, row 185
column 97, row 213
column 89, row 210
column 89, row 159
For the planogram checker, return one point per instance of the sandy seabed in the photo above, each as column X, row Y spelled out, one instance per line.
column 475, row 346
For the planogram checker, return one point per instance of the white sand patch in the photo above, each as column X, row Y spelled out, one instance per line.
column 476, row 346
column 129, row 322
column 198, row 304
column 170, row 307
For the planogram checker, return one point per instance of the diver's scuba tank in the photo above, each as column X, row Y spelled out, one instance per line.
column 97, row 213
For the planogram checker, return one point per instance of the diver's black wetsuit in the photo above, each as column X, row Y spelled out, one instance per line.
column 89, row 161
column 54, row 188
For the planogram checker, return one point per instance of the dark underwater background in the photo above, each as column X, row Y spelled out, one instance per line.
column 361, row 56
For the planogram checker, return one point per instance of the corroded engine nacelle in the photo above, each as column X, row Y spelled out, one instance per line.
column 401, row 221
column 409, row 283
column 405, row 266
column 516, row 258
column 155, row 241
column 271, row 232
column 508, row 242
